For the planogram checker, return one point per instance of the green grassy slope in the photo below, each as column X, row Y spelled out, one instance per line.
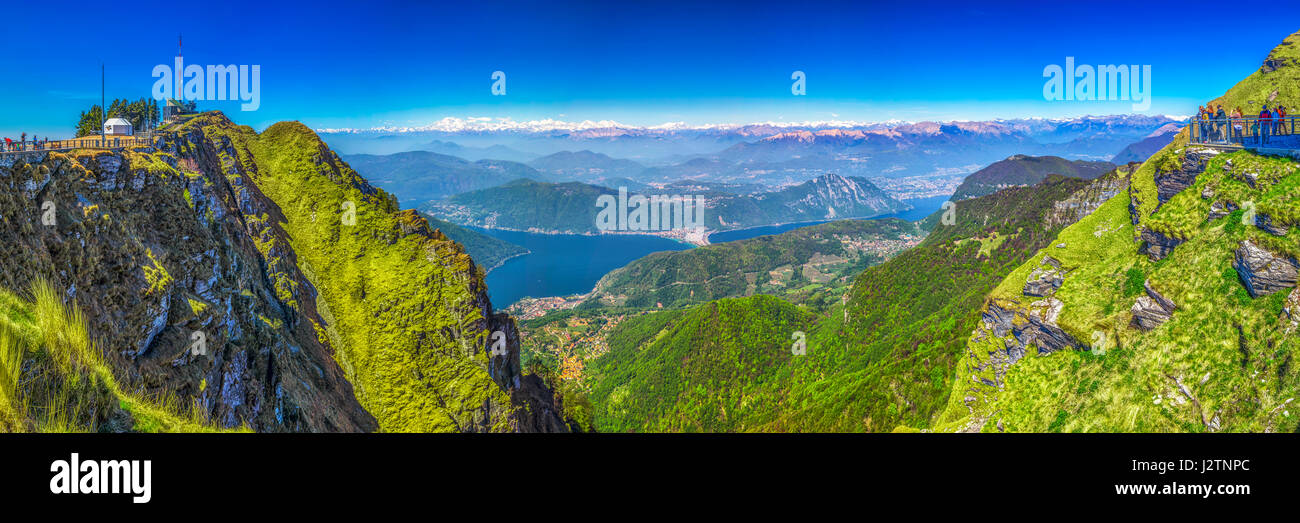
column 66, row 386
column 403, row 306
column 1222, row 362
column 889, row 354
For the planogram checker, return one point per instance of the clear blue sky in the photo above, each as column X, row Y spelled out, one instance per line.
column 362, row 64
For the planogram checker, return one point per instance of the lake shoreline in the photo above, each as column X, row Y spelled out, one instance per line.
column 784, row 227
column 564, row 264
column 503, row 261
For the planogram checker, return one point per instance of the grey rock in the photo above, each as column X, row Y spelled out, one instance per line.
column 1042, row 331
column 1133, row 208
column 1043, row 282
column 1263, row 272
column 1152, row 310
column 1220, row 210
column 1038, row 328
column 999, row 319
column 1291, row 312
column 1266, row 223
column 1170, row 183
column 1148, row 314
column 1156, row 245
column 1014, row 353
column 1251, row 178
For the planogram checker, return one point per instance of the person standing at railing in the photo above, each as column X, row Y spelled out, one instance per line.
column 1207, row 123
column 1200, row 123
column 1265, row 121
column 1234, row 119
column 1220, row 124
column 9, row 144
column 1281, row 121
column 1199, row 132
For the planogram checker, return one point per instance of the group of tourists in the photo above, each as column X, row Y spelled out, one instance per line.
column 36, row 144
column 1217, row 125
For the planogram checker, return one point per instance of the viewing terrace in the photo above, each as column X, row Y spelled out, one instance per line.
column 84, row 142
column 1276, row 136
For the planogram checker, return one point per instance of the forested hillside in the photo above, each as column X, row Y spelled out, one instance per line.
column 1025, row 170
column 885, row 353
column 807, row 257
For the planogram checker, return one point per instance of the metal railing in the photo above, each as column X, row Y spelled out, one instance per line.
column 84, row 142
column 1245, row 131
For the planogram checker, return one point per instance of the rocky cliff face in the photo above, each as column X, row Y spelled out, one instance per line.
column 1086, row 200
column 200, row 274
column 173, row 285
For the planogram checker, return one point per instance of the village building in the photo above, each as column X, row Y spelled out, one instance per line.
column 118, row 127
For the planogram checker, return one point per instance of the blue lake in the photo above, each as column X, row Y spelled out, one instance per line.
column 921, row 207
column 563, row 264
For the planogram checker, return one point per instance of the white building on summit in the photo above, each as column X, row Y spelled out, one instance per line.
column 118, row 127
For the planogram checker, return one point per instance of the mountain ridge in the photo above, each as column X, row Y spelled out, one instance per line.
column 1023, row 169
column 570, row 207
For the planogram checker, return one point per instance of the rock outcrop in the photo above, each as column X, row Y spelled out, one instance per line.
column 1219, row 210
column 1084, row 201
column 1290, row 316
column 1263, row 272
column 1152, row 310
column 1045, row 279
column 1267, row 224
column 1173, row 182
column 1156, row 245
column 1035, row 325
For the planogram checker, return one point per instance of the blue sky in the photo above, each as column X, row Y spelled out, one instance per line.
column 363, row 64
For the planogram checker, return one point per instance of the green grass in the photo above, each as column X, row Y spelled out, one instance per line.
column 400, row 303
column 1229, row 350
column 54, row 379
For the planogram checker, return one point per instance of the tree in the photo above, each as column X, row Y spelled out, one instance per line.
column 89, row 122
